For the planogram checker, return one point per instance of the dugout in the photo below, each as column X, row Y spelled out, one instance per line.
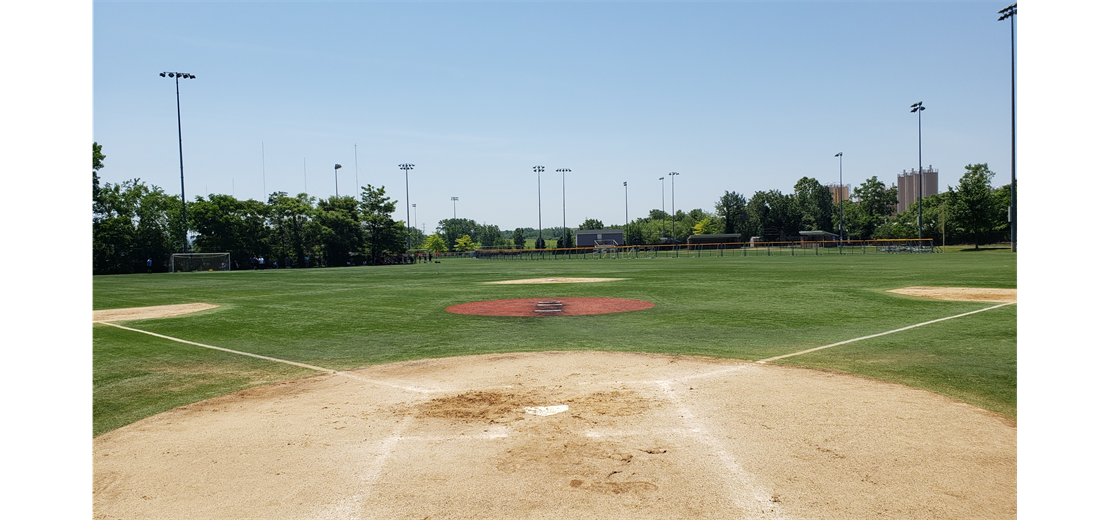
column 588, row 237
column 729, row 239
column 818, row 238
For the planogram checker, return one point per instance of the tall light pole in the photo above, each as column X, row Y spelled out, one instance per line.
column 626, row 204
column 539, row 202
column 408, row 224
column 564, row 171
column 337, row 167
column 1011, row 13
column 181, row 155
column 840, row 195
column 919, row 108
column 626, row 211
column 454, row 217
column 414, row 213
column 673, row 175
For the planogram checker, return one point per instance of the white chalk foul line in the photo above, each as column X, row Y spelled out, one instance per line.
column 747, row 494
column 882, row 333
column 276, row 360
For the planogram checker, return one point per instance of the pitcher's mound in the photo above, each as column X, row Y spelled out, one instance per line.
column 550, row 307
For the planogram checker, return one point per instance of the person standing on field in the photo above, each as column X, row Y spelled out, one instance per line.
column 147, row 266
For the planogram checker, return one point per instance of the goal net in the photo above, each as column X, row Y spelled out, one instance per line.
column 603, row 248
column 190, row 262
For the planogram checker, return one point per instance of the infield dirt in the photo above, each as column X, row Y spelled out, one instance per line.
column 643, row 436
column 966, row 294
column 146, row 313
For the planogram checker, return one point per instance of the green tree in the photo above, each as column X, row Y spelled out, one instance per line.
column 731, row 209
column 488, row 235
column 157, row 224
column 815, row 204
column 435, row 244
column 904, row 224
column 518, row 238
column 874, row 204
column 975, row 212
column 591, row 223
column 567, row 240
column 289, row 219
column 381, row 234
column 98, row 163
column 465, row 243
column 453, row 228
column 417, row 236
column 647, row 231
column 1001, row 231
column 133, row 222
column 341, row 234
column 774, row 216
column 709, row 226
column 225, row 224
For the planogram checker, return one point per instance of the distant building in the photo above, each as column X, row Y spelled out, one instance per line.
column 588, row 237
column 907, row 186
column 840, row 192
column 719, row 238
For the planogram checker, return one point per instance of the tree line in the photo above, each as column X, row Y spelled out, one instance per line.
column 972, row 212
column 133, row 222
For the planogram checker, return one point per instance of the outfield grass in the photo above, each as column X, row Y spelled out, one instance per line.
column 745, row 308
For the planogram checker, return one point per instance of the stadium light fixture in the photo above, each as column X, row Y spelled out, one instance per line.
column 337, row 167
column 539, row 202
column 918, row 108
column 408, row 224
column 181, row 159
column 1011, row 13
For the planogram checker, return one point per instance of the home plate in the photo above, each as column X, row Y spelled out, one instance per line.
column 543, row 411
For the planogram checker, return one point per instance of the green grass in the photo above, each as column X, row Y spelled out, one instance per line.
column 744, row 308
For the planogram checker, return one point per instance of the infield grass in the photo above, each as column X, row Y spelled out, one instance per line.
column 744, row 308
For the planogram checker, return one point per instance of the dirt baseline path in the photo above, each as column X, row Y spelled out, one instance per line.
column 564, row 435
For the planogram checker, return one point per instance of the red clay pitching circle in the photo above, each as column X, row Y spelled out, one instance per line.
column 550, row 307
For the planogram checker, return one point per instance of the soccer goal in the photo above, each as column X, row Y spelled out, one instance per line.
column 606, row 248
column 190, row 262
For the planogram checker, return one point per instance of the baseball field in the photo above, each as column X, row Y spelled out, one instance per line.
column 742, row 387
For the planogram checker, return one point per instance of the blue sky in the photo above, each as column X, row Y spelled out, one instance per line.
column 739, row 96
